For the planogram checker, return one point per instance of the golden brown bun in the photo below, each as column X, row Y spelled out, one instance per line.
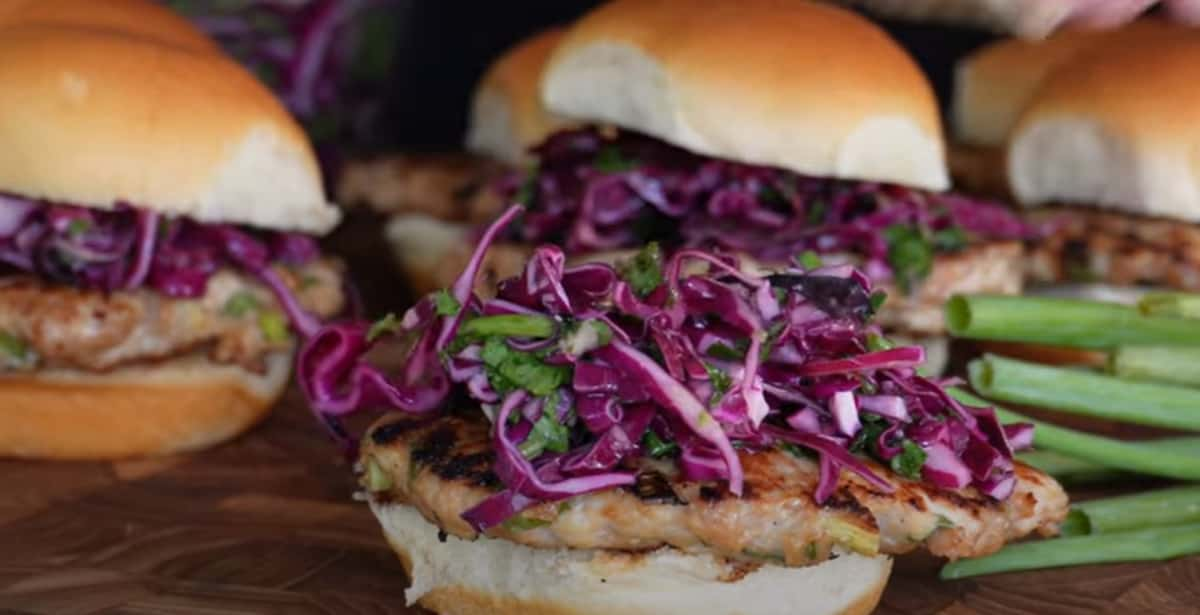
column 1118, row 129
column 96, row 117
column 1024, row 18
column 181, row 405
column 497, row 577
column 993, row 85
column 142, row 18
column 507, row 116
column 808, row 87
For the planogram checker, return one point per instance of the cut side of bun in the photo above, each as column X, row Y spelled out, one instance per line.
column 489, row 576
column 807, row 87
column 100, row 117
column 1116, row 129
column 507, row 115
column 181, row 405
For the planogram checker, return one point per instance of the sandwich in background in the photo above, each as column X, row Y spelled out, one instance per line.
column 156, row 263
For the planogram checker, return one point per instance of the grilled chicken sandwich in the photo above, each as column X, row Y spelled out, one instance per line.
column 423, row 191
column 666, row 436
column 1100, row 162
column 155, row 258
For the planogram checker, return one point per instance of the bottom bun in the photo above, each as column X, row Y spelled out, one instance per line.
column 180, row 405
column 460, row 577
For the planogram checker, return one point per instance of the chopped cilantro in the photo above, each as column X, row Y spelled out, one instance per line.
column 643, row 272
column 816, row 212
column 910, row 460
column 508, row 370
column 239, row 304
column 720, row 381
column 445, row 304
column 909, row 254
column 872, row 427
column 273, row 325
column 548, row 434
column 771, row 196
column 950, row 239
column 387, row 324
column 773, row 334
column 78, row 226
column 656, row 447
column 808, row 260
column 877, row 342
column 610, row 160
column 878, row 298
column 528, row 188
column 725, row 353
column 795, row 450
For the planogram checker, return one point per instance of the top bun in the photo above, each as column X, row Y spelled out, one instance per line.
column 142, row 18
column 507, row 116
column 1118, row 128
column 808, row 87
column 98, row 116
column 1025, row 18
column 993, row 84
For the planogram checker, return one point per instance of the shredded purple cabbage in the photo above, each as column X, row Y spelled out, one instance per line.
column 129, row 248
column 595, row 190
column 581, row 375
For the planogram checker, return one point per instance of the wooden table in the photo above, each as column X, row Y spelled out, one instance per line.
column 267, row 524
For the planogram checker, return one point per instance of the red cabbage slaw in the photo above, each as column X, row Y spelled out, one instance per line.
column 129, row 248
column 581, row 374
column 601, row 190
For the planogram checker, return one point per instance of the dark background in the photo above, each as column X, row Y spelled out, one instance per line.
column 443, row 47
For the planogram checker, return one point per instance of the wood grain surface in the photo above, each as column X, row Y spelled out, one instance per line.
column 267, row 524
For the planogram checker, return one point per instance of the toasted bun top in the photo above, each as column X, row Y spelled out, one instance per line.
column 96, row 117
column 507, row 115
column 803, row 86
column 1118, row 128
column 993, row 84
column 142, row 18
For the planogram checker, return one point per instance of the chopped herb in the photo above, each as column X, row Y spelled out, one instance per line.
column 795, row 450
column 528, row 188
column 769, row 195
column 877, row 342
column 725, row 353
column 78, row 226
column 12, row 345
column 950, row 239
column 817, row 211
column 865, row 440
column 445, row 304
column 308, row 281
column 878, row 298
column 508, row 370
column 720, row 381
column 808, row 260
column 910, row 460
column 656, row 447
column 547, row 434
column 780, row 295
column 273, row 325
column 643, row 272
column 240, row 303
column 773, row 334
column 521, row 523
column 810, row 550
column 610, row 160
column 386, row 325
column 909, row 254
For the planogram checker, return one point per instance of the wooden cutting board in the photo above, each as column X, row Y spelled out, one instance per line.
column 266, row 524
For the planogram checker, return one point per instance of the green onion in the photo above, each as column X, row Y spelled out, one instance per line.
column 1074, row 471
column 1157, row 364
column 1140, row 546
column 1179, row 305
column 509, row 325
column 274, row 326
column 1142, row 458
column 240, row 303
column 655, row 445
column 1164, row 507
column 386, row 325
column 1063, row 322
column 444, row 304
column 1086, row 393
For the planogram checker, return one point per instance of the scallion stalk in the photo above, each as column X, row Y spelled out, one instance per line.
column 1144, row 545
column 1163, row 507
column 1131, row 456
column 1063, row 322
column 1086, row 393
column 1074, row 471
column 1157, row 364
column 1178, row 305
column 509, row 325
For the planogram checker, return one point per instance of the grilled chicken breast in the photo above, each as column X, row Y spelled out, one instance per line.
column 67, row 327
column 442, row 467
column 451, row 187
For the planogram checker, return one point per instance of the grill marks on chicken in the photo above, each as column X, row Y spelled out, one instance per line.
column 443, row 467
column 1095, row 246
column 90, row 330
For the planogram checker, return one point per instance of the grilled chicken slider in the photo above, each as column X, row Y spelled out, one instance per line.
column 666, row 437
column 156, row 206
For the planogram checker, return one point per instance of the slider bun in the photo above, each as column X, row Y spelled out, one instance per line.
column 141, row 18
column 1118, row 129
column 97, row 117
column 993, row 84
column 490, row 576
column 507, row 116
column 808, row 87
column 1025, row 18
column 184, row 404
